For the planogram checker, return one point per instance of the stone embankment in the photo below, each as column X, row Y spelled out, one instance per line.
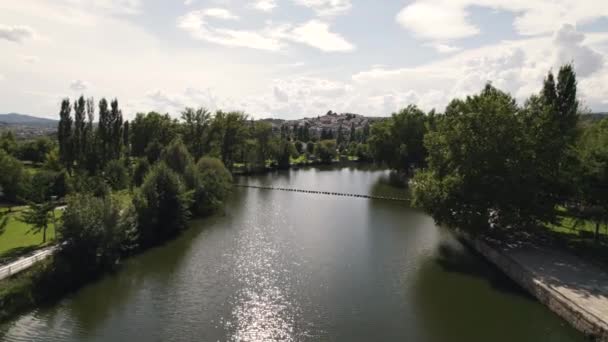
column 574, row 289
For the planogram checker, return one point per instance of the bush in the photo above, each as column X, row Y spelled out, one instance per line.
column 141, row 169
column 211, row 184
column 94, row 232
column 162, row 205
column 326, row 150
column 116, row 174
column 12, row 177
column 176, row 156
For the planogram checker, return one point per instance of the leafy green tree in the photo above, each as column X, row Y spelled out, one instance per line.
column 35, row 150
column 310, row 147
column 162, row 204
column 116, row 134
column 299, row 146
column 398, row 141
column 92, row 146
column 263, row 134
column 51, row 160
column 46, row 183
column 64, row 135
column 592, row 175
column 285, row 151
column 231, row 132
column 139, row 172
column 151, row 128
column 176, row 156
column 12, row 177
column 116, row 174
column 8, row 142
column 79, row 140
column 38, row 216
column 326, row 151
column 196, row 127
column 211, row 182
column 477, row 166
column 95, row 232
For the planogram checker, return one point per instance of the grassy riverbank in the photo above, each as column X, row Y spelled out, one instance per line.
column 19, row 239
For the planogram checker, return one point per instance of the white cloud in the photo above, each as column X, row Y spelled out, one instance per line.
column 17, row 34
column 280, row 95
column 317, row 34
column 30, row 59
column 448, row 19
column 436, row 20
column 570, row 48
column 219, row 13
column 444, row 48
column 271, row 38
column 326, row 7
column 265, row 5
column 79, row 85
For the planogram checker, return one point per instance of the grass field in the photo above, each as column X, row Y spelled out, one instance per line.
column 580, row 238
column 17, row 238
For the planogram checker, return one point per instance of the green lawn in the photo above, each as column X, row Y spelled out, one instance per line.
column 580, row 238
column 17, row 239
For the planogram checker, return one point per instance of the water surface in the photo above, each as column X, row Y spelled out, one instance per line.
column 291, row 266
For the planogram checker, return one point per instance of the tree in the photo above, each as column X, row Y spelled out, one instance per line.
column 299, row 147
column 12, row 177
column 8, row 142
column 262, row 133
column 398, row 141
column 116, row 174
column 326, row 150
column 196, row 126
column 162, row 204
column 3, row 221
column 477, row 174
column 115, row 126
column 64, row 135
column 39, row 216
column 91, row 142
column 231, row 130
column 79, row 140
column 151, row 128
column 35, row 150
column 211, row 183
column 104, row 132
column 141, row 169
column 95, row 232
column 176, row 156
column 592, row 175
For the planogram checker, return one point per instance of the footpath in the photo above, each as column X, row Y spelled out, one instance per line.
column 574, row 289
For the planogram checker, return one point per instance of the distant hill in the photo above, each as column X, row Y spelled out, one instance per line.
column 26, row 120
column 27, row 126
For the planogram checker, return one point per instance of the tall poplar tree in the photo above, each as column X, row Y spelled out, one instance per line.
column 64, row 134
column 79, row 140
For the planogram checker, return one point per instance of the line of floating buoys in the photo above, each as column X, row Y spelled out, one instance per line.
column 323, row 192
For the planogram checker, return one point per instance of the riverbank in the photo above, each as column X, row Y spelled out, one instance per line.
column 575, row 290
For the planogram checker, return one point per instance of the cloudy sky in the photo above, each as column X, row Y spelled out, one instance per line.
column 293, row 58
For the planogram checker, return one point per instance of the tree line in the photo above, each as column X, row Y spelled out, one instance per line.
column 489, row 163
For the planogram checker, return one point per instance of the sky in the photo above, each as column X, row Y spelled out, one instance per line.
column 293, row 58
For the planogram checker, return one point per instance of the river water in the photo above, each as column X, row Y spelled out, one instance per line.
column 284, row 266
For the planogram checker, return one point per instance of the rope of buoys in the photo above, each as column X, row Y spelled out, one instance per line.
column 398, row 199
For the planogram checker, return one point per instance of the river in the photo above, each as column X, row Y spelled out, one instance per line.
column 291, row 266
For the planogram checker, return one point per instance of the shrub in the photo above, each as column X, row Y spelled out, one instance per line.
column 162, row 205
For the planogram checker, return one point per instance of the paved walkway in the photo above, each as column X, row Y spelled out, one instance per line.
column 570, row 286
column 582, row 283
column 25, row 262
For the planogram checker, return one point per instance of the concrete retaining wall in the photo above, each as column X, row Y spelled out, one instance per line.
column 577, row 316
